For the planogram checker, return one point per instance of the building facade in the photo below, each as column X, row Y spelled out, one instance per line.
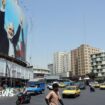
column 14, row 72
column 74, row 62
column 98, row 64
column 40, row 72
column 50, row 67
column 81, row 60
column 62, row 64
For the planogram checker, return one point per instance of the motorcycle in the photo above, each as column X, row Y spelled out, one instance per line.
column 92, row 89
column 23, row 98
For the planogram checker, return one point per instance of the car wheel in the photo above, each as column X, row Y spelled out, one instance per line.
column 18, row 102
column 63, row 96
column 79, row 94
column 35, row 93
column 28, row 101
column 29, row 96
column 75, row 95
column 41, row 92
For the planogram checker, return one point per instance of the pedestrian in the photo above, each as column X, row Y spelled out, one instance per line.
column 53, row 97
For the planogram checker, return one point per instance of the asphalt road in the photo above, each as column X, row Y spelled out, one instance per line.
column 86, row 98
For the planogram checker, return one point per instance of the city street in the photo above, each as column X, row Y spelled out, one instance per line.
column 86, row 98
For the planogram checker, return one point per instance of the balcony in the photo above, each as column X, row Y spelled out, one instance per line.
column 99, row 67
column 103, row 70
column 95, row 71
column 103, row 54
column 99, row 74
column 93, row 56
column 98, row 59
column 94, row 64
column 103, row 62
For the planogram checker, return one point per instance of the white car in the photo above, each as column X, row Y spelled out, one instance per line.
column 49, row 86
column 55, row 82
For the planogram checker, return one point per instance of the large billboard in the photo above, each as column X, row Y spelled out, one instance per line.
column 13, row 30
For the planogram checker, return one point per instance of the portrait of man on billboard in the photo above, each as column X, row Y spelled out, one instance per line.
column 8, row 38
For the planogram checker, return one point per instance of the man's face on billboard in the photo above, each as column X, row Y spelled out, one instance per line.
column 10, row 32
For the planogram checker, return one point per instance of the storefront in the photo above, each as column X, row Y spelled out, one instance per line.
column 14, row 72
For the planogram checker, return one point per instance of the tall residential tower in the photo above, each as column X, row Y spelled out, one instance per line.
column 81, row 61
column 62, row 64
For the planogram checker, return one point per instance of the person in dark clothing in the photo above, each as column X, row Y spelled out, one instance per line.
column 8, row 40
column 92, row 89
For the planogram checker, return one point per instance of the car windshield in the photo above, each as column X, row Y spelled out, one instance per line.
column 61, row 83
column 70, row 88
column 35, row 86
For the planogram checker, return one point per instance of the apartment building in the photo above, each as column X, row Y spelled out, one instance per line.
column 81, row 60
column 62, row 63
column 98, row 64
column 74, row 63
column 50, row 67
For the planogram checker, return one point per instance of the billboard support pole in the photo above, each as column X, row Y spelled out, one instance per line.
column 6, row 73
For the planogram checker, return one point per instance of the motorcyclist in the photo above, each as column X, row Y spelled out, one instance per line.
column 92, row 89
